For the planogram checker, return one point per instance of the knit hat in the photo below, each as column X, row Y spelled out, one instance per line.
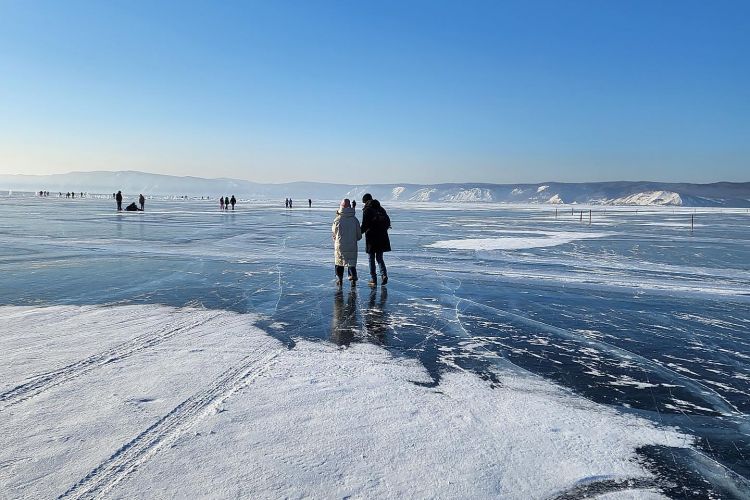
column 345, row 203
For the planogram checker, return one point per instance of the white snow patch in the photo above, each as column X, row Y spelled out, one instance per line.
column 315, row 421
column 556, row 200
column 661, row 198
column 468, row 195
column 548, row 239
column 397, row 192
column 335, row 423
column 424, row 194
column 542, row 188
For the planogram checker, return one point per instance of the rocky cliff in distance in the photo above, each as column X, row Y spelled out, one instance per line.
column 719, row 194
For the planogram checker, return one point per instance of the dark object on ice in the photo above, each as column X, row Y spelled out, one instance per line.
column 345, row 322
column 309, row 203
column 226, row 203
column 233, row 201
column 375, row 226
column 142, row 201
column 132, row 208
column 118, row 197
column 376, row 319
column 354, row 204
column 290, row 203
column 221, row 203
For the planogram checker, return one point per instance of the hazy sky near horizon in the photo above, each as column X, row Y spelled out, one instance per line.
column 387, row 91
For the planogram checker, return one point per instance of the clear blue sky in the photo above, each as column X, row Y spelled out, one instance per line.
column 402, row 91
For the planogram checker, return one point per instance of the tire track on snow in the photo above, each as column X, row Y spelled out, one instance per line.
column 129, row 457
column 45, row 381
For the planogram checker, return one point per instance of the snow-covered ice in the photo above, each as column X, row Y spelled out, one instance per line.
column 517, row 352
column 315, row 420
column 517, row 241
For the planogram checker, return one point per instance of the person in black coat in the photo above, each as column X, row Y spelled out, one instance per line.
column 375, row 226
column 118, row 199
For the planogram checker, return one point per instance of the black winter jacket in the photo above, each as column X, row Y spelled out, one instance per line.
column 375, row 226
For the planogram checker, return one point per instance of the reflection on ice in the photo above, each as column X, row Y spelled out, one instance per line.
column 345, row 326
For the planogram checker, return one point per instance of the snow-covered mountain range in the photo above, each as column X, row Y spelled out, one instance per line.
column 727, row 194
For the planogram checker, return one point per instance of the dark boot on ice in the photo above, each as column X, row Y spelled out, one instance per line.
column 373, row 281
column 384, row 279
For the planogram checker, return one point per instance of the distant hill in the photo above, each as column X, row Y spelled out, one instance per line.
column 719, row 194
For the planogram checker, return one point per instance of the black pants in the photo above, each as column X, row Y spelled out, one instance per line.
column 119, row 205
column 340, row 272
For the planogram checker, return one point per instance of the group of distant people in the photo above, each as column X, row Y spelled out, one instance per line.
column 60, row 194
column 132, row 207
column 225, row 201
column 347, row 231
column 288, row 203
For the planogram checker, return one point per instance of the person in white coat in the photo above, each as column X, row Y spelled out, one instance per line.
column 346, row 233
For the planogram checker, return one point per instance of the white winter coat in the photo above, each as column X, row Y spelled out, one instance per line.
column 346, row 233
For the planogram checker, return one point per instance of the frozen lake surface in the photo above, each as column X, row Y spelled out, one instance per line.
column 514, row 353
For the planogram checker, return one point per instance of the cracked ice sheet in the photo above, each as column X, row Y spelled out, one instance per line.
column 331, row 422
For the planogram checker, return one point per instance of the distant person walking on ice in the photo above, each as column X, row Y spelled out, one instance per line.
column 142, row 201
column 118, row 198
column 309, row 203
column 375, row 226
column 226, row 203
column 233, row 201
column 221, row 203
column 346, row 233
